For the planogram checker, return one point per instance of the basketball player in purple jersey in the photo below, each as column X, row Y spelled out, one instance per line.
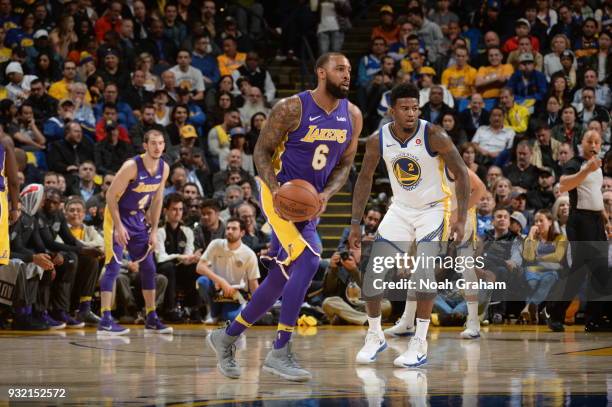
column 312, row 136
column 133, row 207
column 9, row 185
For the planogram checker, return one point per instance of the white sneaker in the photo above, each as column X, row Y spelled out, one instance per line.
column 399, row 330
column 415, row 356
column 472, row 330
column 374, row 344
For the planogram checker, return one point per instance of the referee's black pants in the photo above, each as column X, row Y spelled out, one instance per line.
column 589, row 251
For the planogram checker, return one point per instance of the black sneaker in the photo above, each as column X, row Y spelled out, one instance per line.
column 28, row 323
column 555, row 326
column 196, row 317
column 597, row 326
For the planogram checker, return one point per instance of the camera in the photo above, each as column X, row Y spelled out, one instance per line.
column 109, row 126
column 344, row 255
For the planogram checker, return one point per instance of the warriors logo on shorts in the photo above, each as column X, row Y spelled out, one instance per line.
column 407, row 172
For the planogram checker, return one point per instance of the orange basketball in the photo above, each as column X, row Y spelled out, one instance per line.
column 297, row 200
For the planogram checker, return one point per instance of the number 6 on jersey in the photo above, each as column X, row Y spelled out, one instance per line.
column 319, row 158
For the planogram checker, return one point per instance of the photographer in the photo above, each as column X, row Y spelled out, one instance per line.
column 370, row 223
column 111, row 153
column 341, row 282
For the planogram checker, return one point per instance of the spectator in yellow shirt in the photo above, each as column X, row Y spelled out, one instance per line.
column 515, row 116
column 491, row 79
column 231, row 59
column 61, row 89
column 460, row 78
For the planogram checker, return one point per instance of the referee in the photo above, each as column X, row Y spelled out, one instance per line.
column 583, row 178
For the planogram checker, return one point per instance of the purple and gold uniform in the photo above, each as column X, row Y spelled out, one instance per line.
column 5, row 249
column 310, row 152
column 133, row 204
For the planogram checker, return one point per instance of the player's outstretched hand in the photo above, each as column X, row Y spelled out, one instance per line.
column 457, row 231
column 354, row 238
column 121, row 235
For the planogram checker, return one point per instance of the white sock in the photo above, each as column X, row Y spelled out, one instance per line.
column 407, row 319
column 374, row 324
column 422, row 325
column 472, row 307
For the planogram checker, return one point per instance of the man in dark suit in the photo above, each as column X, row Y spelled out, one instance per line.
column 475, row 116
column 435, row 109
column 65, row 156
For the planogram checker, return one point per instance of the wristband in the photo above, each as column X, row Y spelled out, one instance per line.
column 355, row 221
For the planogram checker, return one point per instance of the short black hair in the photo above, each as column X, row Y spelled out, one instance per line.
column 241, row 224
column 211, row 203
column 404, row 90
column 416, row 11
column 110, row 106
column 172, row 198
column 324, row 59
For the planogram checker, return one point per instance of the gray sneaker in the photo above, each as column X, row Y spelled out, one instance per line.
column 282, row 362
column 225, row 349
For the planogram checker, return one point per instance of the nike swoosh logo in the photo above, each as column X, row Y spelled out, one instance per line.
column 389, row 145
column 143, row 177
column 314, row 118
column 420, row 358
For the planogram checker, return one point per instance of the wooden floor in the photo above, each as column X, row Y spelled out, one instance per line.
column 509, row 365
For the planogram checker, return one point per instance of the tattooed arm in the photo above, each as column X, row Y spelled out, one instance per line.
column 284, row 117
column 441, row 143
column 340, row 173
column 363, row 187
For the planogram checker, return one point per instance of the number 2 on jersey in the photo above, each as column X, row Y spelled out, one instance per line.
column 319, row 160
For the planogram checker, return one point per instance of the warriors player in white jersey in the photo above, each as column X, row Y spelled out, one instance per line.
column 405, row 325
column 416, row 154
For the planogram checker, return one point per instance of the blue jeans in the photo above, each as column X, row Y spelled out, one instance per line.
column 227, row 310
column 540, row 284
column 448, row 306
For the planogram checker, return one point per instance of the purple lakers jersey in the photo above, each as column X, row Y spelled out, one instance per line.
column 2, row 168
column 140, row 191
column 313, row 150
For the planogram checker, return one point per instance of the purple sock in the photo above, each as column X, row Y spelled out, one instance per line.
column 301, row 272
column 263, row 298
column 85, row 307
column 28, row 309
column 21, row 311
column 282, row 337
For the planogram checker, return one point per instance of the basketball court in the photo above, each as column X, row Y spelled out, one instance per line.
column 509, row 365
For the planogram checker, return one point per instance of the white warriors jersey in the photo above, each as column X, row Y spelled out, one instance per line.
column 417, row 175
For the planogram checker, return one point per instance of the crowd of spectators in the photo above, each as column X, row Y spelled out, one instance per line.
column 515, row 84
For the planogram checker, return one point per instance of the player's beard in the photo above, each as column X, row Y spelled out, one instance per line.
column 335, row 90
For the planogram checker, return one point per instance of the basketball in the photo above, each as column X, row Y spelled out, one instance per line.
column 297, row 200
